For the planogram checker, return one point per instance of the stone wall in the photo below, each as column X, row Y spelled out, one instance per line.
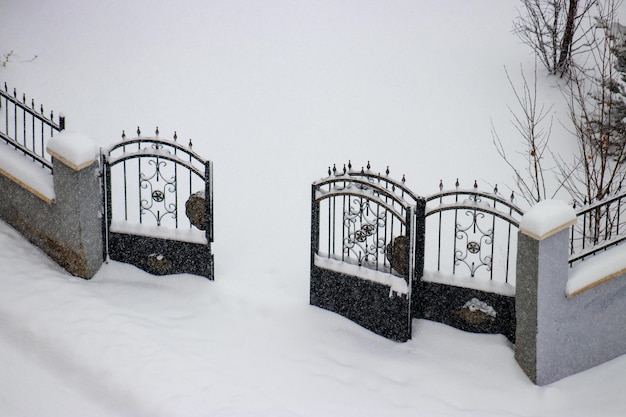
column 69, row 227
column 557, row 335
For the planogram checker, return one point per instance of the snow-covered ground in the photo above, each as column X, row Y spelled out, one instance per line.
column 273, row 92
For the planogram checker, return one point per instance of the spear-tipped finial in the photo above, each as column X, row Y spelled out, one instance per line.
column 512, row 196
column 123, row 135
column 138, row 131
column 190, row 144
column 329, row 172
column 334, row 169
column 41, row 109
column 368, row 165
column 403, row 179
column 495, row 189
column 456, row 184
column 156, row 132
column 32, row 103
column 387, row 171
column 24, row 98
column 440, row 185
column 344, row 168
column 475, row 185
column 349, row 165
column 175, row 136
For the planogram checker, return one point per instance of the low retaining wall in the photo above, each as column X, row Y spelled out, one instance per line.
column 65, row 221
column 559, row 335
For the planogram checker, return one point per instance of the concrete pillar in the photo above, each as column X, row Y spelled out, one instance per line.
column 76, row 232
column 542, row 273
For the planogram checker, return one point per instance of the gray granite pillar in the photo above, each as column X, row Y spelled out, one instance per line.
column 542, row 273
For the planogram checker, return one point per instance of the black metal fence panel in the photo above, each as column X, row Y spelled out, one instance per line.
column 25, row 127
column 162, row 209
column 362, row 250
column 599, row 226
column 366, row 226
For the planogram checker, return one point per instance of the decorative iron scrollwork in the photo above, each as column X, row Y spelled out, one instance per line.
column 478, row 241
column 361, row 223
column 161, row 191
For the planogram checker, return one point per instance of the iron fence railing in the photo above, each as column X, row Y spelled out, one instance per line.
column 157, row 177
column 476, row 231
column 599, row 226
column 359, row 217
column 26, row 128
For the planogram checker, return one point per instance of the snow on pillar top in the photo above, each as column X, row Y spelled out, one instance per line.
column 74, row 149
column 547, row 218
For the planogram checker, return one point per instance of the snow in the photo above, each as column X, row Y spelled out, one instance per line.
column 273, row 92
column 191, row 235
column 396, row 284
column 21, row 169
column 547, row 218
column 596, row 269
column 476, row 305
column 75, row 148
column 476, row 283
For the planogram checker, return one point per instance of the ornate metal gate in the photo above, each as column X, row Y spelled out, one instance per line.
column 362, row 250
column 371, row 261
column 158, row 203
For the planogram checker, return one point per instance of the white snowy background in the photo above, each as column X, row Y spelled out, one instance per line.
column 273, row 92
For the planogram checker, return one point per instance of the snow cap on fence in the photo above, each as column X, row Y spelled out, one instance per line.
column 547, row 218
column 75, row 149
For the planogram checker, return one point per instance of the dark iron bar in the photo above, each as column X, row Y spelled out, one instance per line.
column 33, row 147
column 597, row 229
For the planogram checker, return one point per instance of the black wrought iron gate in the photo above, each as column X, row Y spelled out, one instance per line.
column 364, row 268
column 371, row 261
column 158, row 203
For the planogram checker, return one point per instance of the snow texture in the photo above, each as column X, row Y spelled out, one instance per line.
column 21, row 169
column 396, row 284
column 547, row 218
column 191, row 235
column 274, row 92
column 476, row 305
column 596, row 269
column 475, row 283
column 74, row 148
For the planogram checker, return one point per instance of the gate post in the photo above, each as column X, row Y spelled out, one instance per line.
column 542, row 271
column 420, row 245
column 74, row 238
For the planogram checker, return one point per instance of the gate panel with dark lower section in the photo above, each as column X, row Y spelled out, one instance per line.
column 362, row 251
column 371, row 261
column 158, row 206
column 469, row 281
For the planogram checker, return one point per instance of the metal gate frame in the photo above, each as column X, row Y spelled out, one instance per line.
column 347, row 291
column 368, row 288
column 159, row 250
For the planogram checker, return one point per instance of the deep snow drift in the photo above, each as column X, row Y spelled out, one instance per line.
column 273, row 92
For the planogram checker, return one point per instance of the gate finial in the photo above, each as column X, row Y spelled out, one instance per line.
column 156, row 132
column 138, row 131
